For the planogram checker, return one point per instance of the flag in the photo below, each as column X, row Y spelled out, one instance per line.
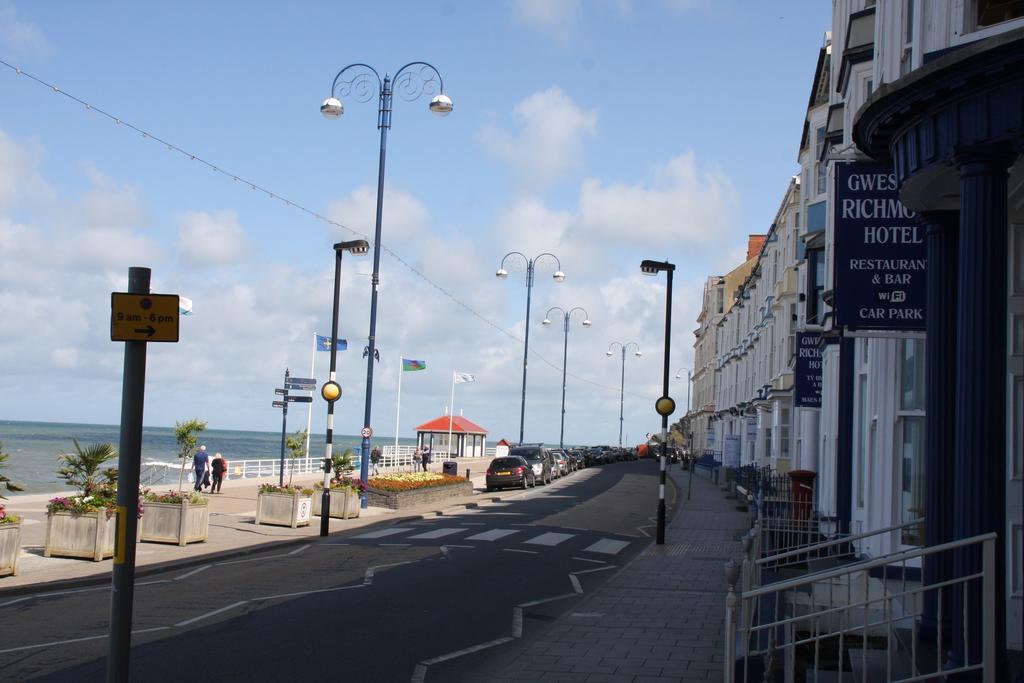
column 412, row 365
column 184, row 305
column 461, row 377
column 324, row 343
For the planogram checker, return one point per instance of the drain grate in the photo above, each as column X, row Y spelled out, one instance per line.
column 697, row 548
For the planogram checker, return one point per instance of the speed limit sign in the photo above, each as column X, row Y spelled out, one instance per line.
column 366, row 432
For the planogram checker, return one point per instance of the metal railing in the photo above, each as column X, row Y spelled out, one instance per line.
column 857, row 618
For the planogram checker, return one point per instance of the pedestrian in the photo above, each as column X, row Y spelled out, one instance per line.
column 219, row 467
column 201, row 465
column 417, row 457
column 426, row 457
column 375, row 459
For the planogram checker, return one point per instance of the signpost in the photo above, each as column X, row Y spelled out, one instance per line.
column 807, row 373
column 136, row 317
column 291, row 384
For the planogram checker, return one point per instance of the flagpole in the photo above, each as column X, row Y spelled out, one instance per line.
column 451, row 415
column 309, row 415
column 398, row 407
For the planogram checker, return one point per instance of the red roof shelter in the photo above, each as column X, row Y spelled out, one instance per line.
column 468, row 439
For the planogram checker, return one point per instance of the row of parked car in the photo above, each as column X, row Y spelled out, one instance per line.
column 527, row 466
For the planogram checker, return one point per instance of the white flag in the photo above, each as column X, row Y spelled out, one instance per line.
column 461, row 377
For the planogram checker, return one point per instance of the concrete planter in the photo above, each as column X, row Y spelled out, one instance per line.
column 89, row 534
column 283, row 509
column 344, row 503
column 405, row 499
column 180, row 523
column 10, row 547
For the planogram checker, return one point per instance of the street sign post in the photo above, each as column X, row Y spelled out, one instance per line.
column 278, row 404
column 143, row 317
column 301, row 384
column 299, row 399
column 281, row 392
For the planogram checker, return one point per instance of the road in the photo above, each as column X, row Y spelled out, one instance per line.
column 439, row 599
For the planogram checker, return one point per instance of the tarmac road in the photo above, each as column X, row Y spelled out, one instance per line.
column 434, row 599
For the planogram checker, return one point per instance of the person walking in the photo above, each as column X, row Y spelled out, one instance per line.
column 425, row 457
column 219, row 468
column 201, row 465
column 375, row 459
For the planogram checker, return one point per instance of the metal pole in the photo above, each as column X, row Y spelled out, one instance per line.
column 664, row 418
column 325, row 497
column 565, row 362
column 526, row 345
column 622, row 393
column 133, row 390
column 284, row 427
column 383, row 122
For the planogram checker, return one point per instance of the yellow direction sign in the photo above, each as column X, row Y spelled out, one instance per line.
column 143, row 317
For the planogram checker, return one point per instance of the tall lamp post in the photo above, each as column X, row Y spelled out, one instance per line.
column 565, row 354
column 331, row 390
column 665, row 406
column 622, row 384
column 411, row 81
column 501, row 274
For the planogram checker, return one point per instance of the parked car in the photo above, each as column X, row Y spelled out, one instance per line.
column 596, row 454
column 562, row 460
column 577, row 458
column 540, row 461
column 510, row 470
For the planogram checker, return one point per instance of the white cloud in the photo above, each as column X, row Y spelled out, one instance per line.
column 404, row 220
column 20, row 36
column 211, row 239
column 19, row 173
column 549, row 140
column 108, row 205
column 557, row 17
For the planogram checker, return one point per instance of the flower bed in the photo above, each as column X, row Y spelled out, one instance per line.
column 407, row 490
column 10, row 542
column 346, row 495
column 283, row 505
column 87, row 534
column 175, row 517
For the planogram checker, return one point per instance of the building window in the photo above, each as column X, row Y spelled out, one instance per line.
column 910, row 437
column 822, row 168
column 815, row 305
column 720, row 294
column 862, row 437
column 989, row 12
column 784, row 430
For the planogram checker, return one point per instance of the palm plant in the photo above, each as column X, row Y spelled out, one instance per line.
column 186, row 435
column 297, row 448
column 7, row 483
column 342, row 463
column 84, row 470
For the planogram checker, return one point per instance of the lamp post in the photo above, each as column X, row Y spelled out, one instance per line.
column 565, row 354
column 664, row 405
column 501, row 274
column 331, row 390
column 622, row 384
column 411, row 81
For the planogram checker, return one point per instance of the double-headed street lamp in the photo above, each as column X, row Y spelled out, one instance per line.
column 411, row 81
column 664, row 405
column 565, row 353
column 331, row 390
column 622, row 385
column 501, row 274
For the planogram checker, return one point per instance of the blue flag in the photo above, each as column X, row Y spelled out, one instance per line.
column 324, row 343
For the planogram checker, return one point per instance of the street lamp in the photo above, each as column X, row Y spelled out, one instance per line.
column 689, row 378
column 665, row 405
column 565, row 354
column 411, row 81
column 331, row 390
column 622, row 385
column 501, row 274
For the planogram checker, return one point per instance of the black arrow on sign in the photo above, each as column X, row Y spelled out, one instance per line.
column 148, row 330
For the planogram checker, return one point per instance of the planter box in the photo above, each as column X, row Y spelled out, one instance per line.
column 179, row 523
column 90, row 534
column 10, row 546
column 344, row 503
column 406, row 499
column 283, row 509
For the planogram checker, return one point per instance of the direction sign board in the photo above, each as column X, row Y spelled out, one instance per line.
column 143, row 317
column 281, row 392
column 299, row 399
column 301, row 383
column 279, row 404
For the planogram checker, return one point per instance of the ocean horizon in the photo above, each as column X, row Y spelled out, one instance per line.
column 34, row 447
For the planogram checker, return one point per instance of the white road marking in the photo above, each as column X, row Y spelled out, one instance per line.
column 517, row 622
column 473, row 523
column 596, row 569
column 587, row 559
column 517, row 550
column 298, row 550
column 193, row 572
column 210, row 614
column 420, row 673
column 534, row 603
column 393, row 545
column 607, row 546
column 50, row 644
column 381, row 533
column 575, row 583
column 492, row 535
column 309, row 592
column 586, row 615
column 251, row 559
column 438, row 533
column 368, row 577
column 551, row 538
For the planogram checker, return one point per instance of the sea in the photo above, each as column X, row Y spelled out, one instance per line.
column 34, row 448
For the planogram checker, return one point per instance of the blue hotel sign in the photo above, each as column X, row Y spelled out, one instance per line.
column 807, row 371
column 880, row 253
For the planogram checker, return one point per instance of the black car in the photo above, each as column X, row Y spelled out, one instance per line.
column 510, row 470
column 540, row 460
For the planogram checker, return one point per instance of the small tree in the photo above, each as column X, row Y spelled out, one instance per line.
column 186, row 435
column 296, row 448
column 7, row 483
column 342, row 463
column 84, row 470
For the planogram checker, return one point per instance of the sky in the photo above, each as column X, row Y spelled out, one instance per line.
column 603, row 132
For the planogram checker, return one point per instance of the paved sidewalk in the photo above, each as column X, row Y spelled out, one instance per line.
column 661, row 618
column 232, row 531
